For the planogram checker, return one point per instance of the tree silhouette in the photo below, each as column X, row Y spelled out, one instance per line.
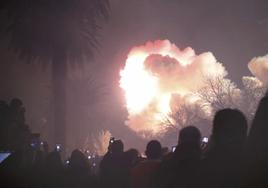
column 186, row 110
column 220, row 93
column 84, row 93
column 57, row 34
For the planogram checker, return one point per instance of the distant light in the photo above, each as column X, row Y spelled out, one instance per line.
column 89, row 157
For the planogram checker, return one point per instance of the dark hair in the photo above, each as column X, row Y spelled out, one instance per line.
column 53, row 160
column 131, row 156
column 78, row 159
column 117, row 146
column 229, row 125
column 153, row 150
column 189, row 135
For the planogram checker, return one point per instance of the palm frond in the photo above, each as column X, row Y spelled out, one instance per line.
column 38, row 28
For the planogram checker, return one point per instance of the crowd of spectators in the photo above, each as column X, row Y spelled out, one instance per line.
column 14, row 132
column 236, row 156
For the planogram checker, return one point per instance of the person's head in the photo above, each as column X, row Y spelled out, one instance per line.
column 131, row 156
column 257, row 139
column 153, row 150
column 229, row 127
column 78, row 159
column 189, row 136
column 53, row 160
column 117, row 147
column 16, row 103
column 259, row 129
column 39, row 158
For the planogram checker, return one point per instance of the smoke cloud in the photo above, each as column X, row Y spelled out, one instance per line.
column 258, row 66
column 156, row 72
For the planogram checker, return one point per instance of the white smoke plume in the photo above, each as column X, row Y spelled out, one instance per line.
column 101, row 142
column 259, row 68
column 155, row 72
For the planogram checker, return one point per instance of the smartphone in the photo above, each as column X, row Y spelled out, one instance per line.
column 205, row 140
column 58, row 147
column 4, row 156
column 112, row 139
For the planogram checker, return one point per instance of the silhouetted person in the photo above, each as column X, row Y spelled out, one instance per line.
column 53, row 175
column 257, row 150
column 17, row 111
column 112, row 166
column 131, row 158
column 78, row 171
column 4, row 112
column 143, row 174
column 180, row 169
column 223, row 165
column 78, row 161
column 37, row 167
column 18, row 130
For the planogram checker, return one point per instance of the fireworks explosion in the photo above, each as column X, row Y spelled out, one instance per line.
column 156, row 72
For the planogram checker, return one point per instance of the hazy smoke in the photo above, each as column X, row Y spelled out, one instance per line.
column 157, row 71
column 101, row 142
column 259, row 68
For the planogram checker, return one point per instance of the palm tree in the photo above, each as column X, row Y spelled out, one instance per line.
column 55, row 33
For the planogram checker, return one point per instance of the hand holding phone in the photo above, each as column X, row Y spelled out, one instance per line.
column 58, row 147
column 112, row 139
column 205, row 140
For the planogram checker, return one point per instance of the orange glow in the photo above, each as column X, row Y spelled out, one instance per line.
column 149, row 83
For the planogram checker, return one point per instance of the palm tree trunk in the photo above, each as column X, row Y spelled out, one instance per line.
column 59, row 76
